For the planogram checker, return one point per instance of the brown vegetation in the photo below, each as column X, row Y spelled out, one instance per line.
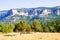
column 32, row 36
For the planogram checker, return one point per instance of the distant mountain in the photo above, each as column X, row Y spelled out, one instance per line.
column 30, row 14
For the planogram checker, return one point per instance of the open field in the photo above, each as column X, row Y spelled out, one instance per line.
column 31, row 36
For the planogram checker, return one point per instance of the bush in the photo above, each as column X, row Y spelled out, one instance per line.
column 52, row 29
column 21, row 26
column 45, row 27
column 57, row 25
column 36, row 26
column 6, row 28
column 10, row 27
column 28, row 28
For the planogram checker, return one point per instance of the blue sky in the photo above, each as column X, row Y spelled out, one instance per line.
column 9, row 4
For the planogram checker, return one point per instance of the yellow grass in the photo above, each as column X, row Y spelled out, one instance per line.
column 32, row 36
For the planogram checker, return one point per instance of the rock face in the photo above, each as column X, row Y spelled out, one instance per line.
column 39, row 13
column 14, row 11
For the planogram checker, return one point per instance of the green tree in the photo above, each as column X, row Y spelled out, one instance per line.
column 21, row 26
column 51, row 25
column 36, row 26
column 28, row 28
column 57, row 25
column 6, row 27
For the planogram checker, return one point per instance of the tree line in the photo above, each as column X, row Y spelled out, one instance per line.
column 34, row 26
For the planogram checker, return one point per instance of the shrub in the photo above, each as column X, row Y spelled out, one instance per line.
column 28, row 28
column 57, row 25
column 46, row 29
column 6, row 28
column 20, row 26
column 36, row 26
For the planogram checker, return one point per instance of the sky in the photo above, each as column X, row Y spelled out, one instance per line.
column 9, row 4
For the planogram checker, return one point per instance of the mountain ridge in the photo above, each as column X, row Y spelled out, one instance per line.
column 38, row 13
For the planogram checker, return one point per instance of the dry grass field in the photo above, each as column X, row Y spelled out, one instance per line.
column 31, row 36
